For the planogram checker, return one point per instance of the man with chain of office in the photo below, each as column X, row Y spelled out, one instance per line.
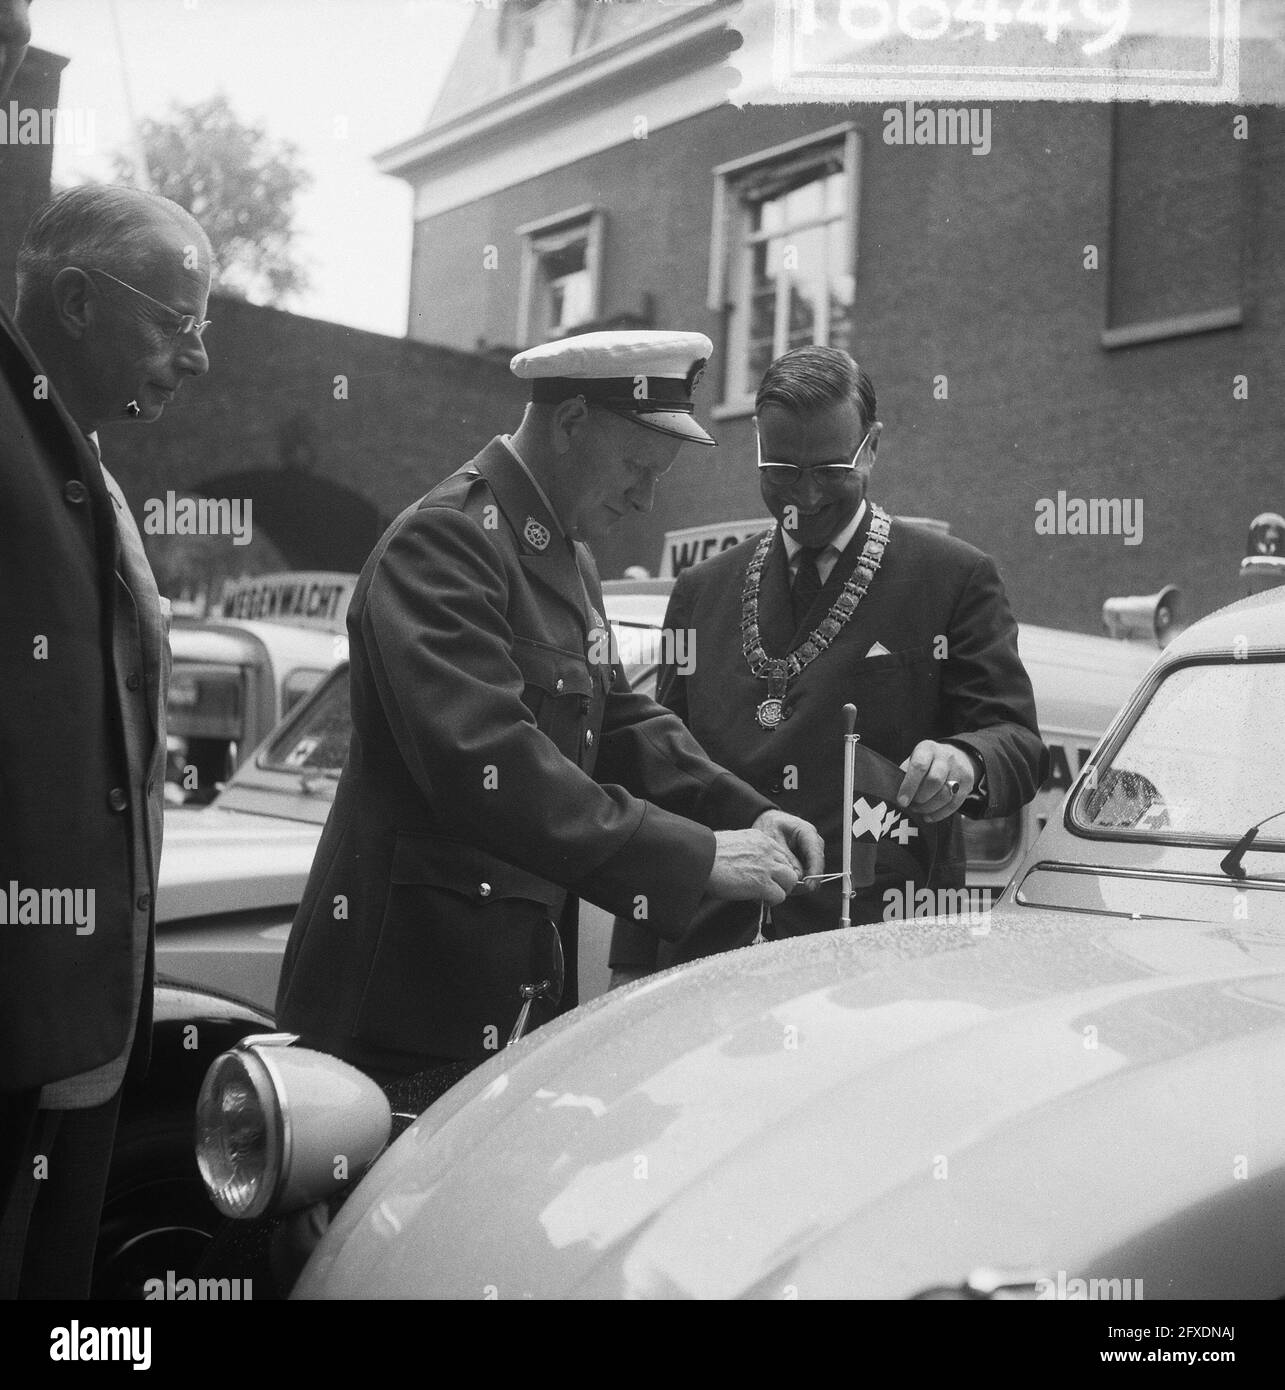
column 842, row 604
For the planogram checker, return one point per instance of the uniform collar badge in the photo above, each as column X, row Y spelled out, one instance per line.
column 536, row 535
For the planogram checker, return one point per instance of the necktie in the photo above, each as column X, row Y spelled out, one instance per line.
column 807, row 582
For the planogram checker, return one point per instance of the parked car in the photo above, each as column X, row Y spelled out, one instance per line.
column 1078, row 1094
column 237, row 673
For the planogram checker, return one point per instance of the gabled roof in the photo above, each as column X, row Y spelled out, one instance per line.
column 521, row 41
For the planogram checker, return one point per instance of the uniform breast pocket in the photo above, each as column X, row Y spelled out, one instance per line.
column 558, row 690
column 462, row 931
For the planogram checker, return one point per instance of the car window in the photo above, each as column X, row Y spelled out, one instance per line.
column 300, row 682
column 1203, row 758
column 206, row 701
column 317, row 740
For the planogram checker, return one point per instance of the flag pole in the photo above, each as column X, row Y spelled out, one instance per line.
column 850, row 740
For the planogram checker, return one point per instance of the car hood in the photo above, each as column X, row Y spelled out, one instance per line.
column 215, row 861
column 865, row 1113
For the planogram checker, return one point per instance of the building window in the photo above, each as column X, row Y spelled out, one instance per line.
column 561, row 274
column 783, row 266
column 1177, row 220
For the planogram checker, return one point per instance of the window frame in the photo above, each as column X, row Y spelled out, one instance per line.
column 547, row 229
column 731, row 242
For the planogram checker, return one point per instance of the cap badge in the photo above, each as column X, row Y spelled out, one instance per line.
column 536, row 535
column 697, row 371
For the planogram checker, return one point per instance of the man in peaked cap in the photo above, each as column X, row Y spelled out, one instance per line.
column 499, row 767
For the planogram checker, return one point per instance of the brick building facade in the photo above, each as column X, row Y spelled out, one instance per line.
column 1092, row 308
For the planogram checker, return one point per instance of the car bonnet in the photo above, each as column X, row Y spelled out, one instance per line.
column 861, row 1113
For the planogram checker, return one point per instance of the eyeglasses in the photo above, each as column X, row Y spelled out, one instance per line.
column 827, row 474
column 187, row 323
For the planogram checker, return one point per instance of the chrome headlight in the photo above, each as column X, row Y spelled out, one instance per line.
column 280, row 1127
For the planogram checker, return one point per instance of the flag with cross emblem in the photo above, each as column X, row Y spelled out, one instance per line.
column 874, row 818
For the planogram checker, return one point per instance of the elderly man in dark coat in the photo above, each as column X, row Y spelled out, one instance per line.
column 112, row 289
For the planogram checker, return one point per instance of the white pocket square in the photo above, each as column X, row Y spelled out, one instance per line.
column 878, row 650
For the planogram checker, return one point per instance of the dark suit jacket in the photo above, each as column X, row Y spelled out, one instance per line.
column 495, row 772
column 73, row 808
column 951, row 673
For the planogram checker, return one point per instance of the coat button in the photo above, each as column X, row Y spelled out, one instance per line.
column 143, row 901
column 560, row 685
column 117, row 799
column 75, row 491
column 484, row 890
column 133, row 681
column 588, row 737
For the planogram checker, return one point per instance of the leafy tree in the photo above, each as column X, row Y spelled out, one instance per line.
column 238, row 183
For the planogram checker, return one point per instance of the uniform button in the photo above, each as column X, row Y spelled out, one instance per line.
column 484, row 890
column 560, row 685
column 75, row 491
column 117, row 799
column 775, row 789
column 588, row 737
column 133, row 681
column 143, row 901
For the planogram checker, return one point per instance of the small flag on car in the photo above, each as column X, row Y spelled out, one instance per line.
column 871, row 815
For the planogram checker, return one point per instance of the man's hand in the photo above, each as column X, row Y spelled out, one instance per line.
column 752, row 865
column 930, row 770
column 801, row 838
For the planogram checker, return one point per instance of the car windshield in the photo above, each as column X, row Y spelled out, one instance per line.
column 1203, row 759
column 316, row 741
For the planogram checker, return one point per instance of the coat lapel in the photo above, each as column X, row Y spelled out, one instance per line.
column 152, row 609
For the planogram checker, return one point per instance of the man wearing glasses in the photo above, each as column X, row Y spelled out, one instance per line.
column 112, row 291
column 843, row 604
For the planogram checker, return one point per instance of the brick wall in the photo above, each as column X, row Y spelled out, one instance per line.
column 970, row 267
column 325, row 474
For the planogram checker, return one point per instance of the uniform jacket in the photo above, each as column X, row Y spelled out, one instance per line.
column 951, row 672
column 499, row 768
column 82, row 744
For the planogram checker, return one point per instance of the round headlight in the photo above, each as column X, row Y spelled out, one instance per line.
column 280, row 1127
column 240, row 1135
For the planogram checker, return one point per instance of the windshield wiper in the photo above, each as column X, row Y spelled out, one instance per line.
column 1230, row 862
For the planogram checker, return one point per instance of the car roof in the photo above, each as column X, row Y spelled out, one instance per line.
column 1258, row 620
